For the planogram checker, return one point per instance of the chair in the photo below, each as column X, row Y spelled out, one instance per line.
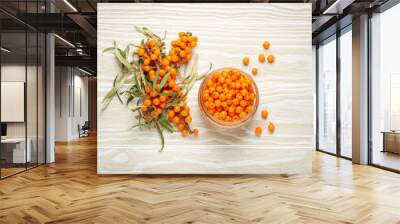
column 84, row 130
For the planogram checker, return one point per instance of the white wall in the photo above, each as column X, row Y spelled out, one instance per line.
column 69, row 82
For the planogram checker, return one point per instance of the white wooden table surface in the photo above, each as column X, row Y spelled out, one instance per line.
column 227, row 33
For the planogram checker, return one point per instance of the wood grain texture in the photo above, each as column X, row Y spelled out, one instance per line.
column 70, row 191
column 227, row 32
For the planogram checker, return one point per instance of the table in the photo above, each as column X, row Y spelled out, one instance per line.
column 18, row 151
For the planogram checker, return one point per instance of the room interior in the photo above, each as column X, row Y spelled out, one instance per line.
column 49, row 120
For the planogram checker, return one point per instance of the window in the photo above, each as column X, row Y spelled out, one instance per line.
column 346, row 93
column 327, row 96
column 385, row 89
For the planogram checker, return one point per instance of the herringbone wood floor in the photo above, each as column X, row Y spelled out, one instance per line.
column 70, row 191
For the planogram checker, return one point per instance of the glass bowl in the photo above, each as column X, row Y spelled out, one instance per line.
column 227, row 124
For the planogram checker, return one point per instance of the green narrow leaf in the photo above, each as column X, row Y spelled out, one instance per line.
column 161, row 136
column 108, row 49
column 120, row 55
column 163, row 81
column 156, row 79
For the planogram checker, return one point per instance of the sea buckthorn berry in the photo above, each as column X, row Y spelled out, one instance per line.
column 271, row 127
column 181, row 34
column 147, row 103
column 184, row 113
column 195, row 132
column 246, row 61
column 188, row 119
column 254, row 71
column 163, row 98
column 165, row 62
column 261, row 58
column 185, row 133
column 182, row 54
column 171, row 114
column 258, row 131
column 271, row 58
column 266, row 45
column 264, row 114
column 147, row 89
column 141, row 51
column 177, row 109
column 153, row 57
column 176, row 120
column 156, row 101
column 181, row 127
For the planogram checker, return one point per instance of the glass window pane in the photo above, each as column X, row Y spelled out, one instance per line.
column 327, row 96
column 385, row 114
column 346, row 93
column 13, row 86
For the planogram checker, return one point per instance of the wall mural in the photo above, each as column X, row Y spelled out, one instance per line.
column 204, row 88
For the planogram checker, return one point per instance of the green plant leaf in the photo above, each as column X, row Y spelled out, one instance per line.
column 155, row 79
column 121, row 57
column 163, row 81
column 108, row 49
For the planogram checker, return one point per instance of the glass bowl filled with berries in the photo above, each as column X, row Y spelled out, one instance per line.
column 228, row 98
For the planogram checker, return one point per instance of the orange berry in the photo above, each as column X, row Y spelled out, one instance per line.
column 184, row 113
column 185, row 133
column 182, row 54
column 177, row 109
column 181, row 34
column 217, row 103
column 147, row 89
column 271, row 58
column 181, row 127
column 238, row 109
column 171, row 114
column 163, row 98
column 254, row 71
column 156, row 101
column 146, row 61
column 153, row 57
column 271, row 127
column 141, row 51
column 258, row 131
column 147, row 103
column 242, row 114
column 152, row 43
column 195, row 132
column 174, row 58
column 176, row 120
column 188, row 119
column 187, row 108
column 266, row 45
column 261, row 58
column 246, row 61
column 264, row 114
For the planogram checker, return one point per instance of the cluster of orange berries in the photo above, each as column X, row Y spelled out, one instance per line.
column 155, row 63
column 228, row 95
column 271, row 126
column 180, row 116
column 261, row 58
column 180, row 52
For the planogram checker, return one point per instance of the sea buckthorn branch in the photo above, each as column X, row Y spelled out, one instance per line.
column 151, row 79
